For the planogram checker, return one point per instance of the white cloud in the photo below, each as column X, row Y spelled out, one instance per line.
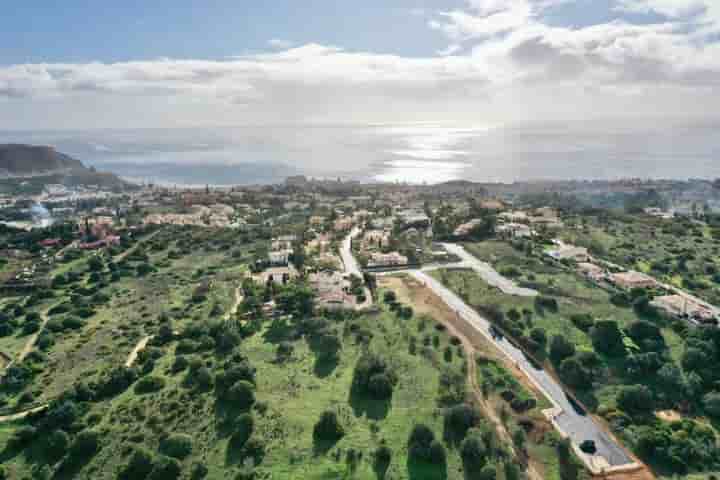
column 451, row 49
column 279, row 43
column 503, row 64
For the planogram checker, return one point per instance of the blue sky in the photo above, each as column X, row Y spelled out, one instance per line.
column 80, row 31
column 86, row 64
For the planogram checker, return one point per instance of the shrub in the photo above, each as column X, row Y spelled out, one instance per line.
column 635, row 399
column 177, row 445
column 372, row 376
column 149, row 384
column 166, row 468
column 140, row 465
column 86, row 444
column 474, row 454
column 72, row 323
column 458, row 420
column 179, row 364
column 561, row 348
column 243, row 430
column 242, row 394
column 328, row 427
column 419, row 443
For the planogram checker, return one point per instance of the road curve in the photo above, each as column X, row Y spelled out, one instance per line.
column 568, row 418
column 486, row 272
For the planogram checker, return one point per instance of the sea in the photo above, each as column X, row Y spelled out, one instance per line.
column 417, row 153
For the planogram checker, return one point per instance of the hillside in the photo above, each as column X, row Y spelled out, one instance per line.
column 17, row 159
column 45, row 165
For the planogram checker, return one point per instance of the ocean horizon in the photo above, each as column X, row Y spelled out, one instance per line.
column 413, row 153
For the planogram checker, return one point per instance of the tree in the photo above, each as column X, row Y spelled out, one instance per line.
column 474, row 453
column 166, row 468
column 56, row 444
column 607, row 338
column 458, row 420
column 574, row 374
column 711, row 403
column 641, row 331
column 140, row 465
column 86, row 444
column 328, row 427
column 242, row 394
column 635, row 399
column 177, row 445
column 243, row 430
column 390, row 297
column 561, row 348
column 419, row 443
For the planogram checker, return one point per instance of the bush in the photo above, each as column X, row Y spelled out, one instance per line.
column 56, row 444
column 474, row 453
column 372, row 376
column 458, row 420
column 243, row 430
column 140, row 465
column 419, row 443
column 177, row 445
column 561, row 348
column 328, row 427
column 72, row 323
column 635, row 399
column 166, row 469
column 242, row 394
column 582, row 321
column 149, row 384
column 179, row 364
column 86, row 444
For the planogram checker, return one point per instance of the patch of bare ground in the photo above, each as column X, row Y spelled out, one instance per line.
column 641, row 473
column 669, row 415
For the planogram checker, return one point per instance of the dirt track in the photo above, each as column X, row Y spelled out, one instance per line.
column 424, row 301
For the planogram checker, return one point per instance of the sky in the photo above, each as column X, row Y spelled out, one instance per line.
column 86, row 64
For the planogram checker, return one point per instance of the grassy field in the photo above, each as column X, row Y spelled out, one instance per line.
column 290, row 395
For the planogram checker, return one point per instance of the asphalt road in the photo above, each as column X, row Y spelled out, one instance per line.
column 576, row 424
column 487, row 272
column 351, row 265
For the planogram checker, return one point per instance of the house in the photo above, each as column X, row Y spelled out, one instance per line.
column 492, row 204
column 632, row 279
column 467, row 227
column 343, row 224
column 591, row 271
column 570, row 252
column 392, row 259
column 103, row 242
column 375, row 239
column 514, row 230
column 684, row 307
column 280, row 257
column 514, row 216
column 332, row 290
column 278, row 275
column 50, row 242
column 317, row 221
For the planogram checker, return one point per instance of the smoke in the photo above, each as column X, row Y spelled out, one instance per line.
column 42, row 216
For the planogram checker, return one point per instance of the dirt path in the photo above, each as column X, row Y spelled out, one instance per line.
column 238, row 300
column 30, row 344
column 135, row 351
column 424, row 301
column 120, row 257
column 21, row 415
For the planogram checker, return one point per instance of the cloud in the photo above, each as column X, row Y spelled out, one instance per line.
column 504, row 64
column 451, row 49
column 280, row 44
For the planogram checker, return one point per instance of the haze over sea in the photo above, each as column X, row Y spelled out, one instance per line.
column 415, row 153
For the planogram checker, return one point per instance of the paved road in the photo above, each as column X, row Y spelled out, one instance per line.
column 351, row 265
column 576, row 424
column 487, row 272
